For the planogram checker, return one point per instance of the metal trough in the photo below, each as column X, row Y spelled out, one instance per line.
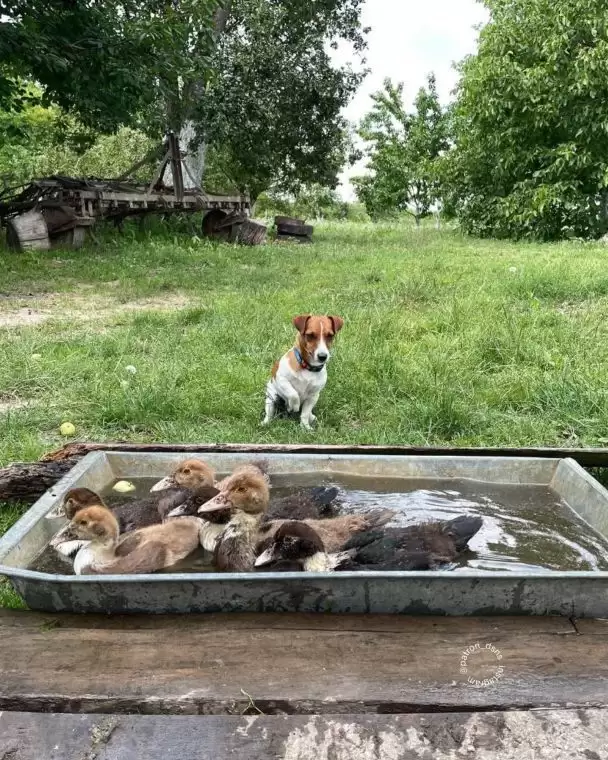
column 469, row 592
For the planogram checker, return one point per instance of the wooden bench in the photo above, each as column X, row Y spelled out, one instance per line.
column 298, row 686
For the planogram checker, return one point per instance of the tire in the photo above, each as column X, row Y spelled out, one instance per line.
column 298, row 230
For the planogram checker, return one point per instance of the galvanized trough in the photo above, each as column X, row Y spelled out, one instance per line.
column 468, row 592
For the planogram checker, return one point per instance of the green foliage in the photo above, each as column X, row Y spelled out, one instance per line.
column 272, row 111
column 531, row 123
column 36, row 141
column 310, row 202
column 108, row 61
column 402, row 149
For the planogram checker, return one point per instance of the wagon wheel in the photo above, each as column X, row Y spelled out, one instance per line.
column 212, row 222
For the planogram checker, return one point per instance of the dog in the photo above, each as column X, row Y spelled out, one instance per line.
column 300, row 375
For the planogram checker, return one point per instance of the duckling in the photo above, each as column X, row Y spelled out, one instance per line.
column 194, row 476
column 334, row 532
column 132, row 515
column 190, row 484
column 416, row 547
column 142, row 551
column 246, row 496
column 296, row 547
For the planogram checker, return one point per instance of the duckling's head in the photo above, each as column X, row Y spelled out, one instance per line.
column 191, row 473
column 291, row 544
column 245, row 491
column 95, row 524
column 75, row 499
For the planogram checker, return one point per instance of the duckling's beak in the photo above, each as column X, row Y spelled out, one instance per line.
column 163, row 484
column 177, row 511
column 56, row 512
column 265, row 558
column 221, row 501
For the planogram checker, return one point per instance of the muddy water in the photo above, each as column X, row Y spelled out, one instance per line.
column 525, row 528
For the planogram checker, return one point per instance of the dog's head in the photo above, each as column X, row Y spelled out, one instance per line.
column 315, row 336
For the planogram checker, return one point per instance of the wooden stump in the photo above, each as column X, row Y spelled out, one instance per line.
column 250, row 233
column 28, row 232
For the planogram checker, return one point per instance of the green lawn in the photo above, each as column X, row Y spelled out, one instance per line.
column 447, row 339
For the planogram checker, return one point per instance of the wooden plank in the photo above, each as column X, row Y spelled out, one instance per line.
column 590, row 457
column 558, row 734
column 301, row 621
column 311, row 664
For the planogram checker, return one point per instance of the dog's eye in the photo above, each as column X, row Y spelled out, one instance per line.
column 311, row 336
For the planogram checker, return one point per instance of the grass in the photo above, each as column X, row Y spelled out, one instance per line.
column 447, row 339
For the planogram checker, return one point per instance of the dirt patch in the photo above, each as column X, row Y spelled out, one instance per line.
column 11, row 403
column 22, row 317
column 82, row 309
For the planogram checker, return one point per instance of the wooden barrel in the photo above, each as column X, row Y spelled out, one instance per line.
column 28, row 231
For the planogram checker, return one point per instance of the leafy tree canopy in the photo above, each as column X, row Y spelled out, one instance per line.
column 402, row 149
column 110, row 62
column 272, row 110
column 531, row 122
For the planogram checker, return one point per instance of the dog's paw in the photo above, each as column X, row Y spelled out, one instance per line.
column 293, row 406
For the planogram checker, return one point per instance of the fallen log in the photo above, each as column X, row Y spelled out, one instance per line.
column 25, row 482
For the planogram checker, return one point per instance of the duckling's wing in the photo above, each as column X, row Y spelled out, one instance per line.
column 145, row 558
column 128, row 543
column 304, row 504
column 137, row 513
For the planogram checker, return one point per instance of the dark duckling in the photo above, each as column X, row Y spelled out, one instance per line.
column 416, row 547
column 296, row 547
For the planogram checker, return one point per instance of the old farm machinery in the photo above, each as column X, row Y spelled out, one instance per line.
column 58, row 211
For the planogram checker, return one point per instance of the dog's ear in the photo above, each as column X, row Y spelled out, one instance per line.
column 338, row 323
column 300, row 322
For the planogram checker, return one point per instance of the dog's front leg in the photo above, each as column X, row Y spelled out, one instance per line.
column 307, row 417
column 288, row 393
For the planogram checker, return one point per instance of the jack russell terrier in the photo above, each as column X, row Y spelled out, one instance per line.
column 300, row 376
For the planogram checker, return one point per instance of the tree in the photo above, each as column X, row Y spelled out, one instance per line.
column 403, row 149
column 110, row 62
column 531, row 118
column 271, row 113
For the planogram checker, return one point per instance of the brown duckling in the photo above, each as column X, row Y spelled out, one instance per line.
column 246, row 496
column 132, row 515
column 416, row 547
column 195, row 476
column 142, row 551
column 191, row 484
column 296, row 547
